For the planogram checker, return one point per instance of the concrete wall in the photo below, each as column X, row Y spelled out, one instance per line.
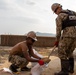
column 11, row 40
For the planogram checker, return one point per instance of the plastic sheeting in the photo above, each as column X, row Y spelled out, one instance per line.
column 36, row 68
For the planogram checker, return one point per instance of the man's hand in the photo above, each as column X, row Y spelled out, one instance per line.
column 56, row 43
column 46, row 60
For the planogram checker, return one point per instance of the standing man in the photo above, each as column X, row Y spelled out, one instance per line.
column 21, row 54
column 65, row 37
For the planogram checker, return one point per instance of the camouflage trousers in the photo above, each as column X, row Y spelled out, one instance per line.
column 66, row 47
column 18, row 60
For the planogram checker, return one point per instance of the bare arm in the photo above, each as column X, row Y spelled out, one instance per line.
column 33, row 55
column 26, row 54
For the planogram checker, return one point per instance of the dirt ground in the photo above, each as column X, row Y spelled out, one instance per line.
column 53, row 66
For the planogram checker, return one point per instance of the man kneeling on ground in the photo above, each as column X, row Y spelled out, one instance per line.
column 21, row 54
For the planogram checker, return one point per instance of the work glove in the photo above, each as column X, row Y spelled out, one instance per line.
column 56, row 43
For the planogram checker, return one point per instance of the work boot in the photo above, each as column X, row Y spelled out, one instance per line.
column 71, row 65
column 13, row 68
column 64, row 67
column 25, row 69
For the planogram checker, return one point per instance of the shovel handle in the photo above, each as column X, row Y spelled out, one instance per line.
column 52, row 51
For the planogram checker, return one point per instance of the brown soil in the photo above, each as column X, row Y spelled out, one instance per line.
column 53, row 66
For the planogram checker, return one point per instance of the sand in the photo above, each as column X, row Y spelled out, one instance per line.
column 53, row 66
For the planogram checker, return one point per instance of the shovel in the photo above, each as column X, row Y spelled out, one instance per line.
column 51, row 51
